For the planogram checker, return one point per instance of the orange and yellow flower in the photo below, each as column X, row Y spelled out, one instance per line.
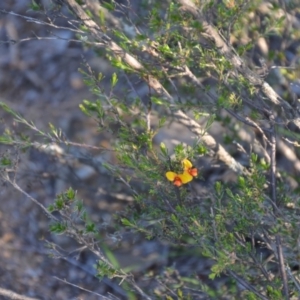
column 188, row 173
column 179, row 179
column 188, row 167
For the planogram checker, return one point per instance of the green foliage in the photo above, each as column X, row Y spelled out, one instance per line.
column 58, row 228
column 110, row 5
column 235, row 225
column 104, row 270
column 35, row 6
column 72, row 211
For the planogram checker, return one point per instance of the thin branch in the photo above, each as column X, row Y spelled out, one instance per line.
column 273, row 160
column 79, row 287
column 252, row 255
column 128, row 185
column 14, row 296
column 251, row 123
column 247, row 285
column 294, row 143
column 214, row 223
column 5, row 176
column 110, row 20
column 40, row 22
column 92, row 272
column 55, row 37
column 148, row 113
column 210, row 142
column 280, row 257
column 296, row 282
column 282, row 267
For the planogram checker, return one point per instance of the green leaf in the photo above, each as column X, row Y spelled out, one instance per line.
column 174, row 218
column 70, row 194
column 118, row 63
column 158, row 101
column 218, row 187
column 179, row 293
column 79, row 206
column 59, row 202
column 89, row 13
column 58, row 228
column 164, row 149
column 101, row 15
column 84, row 110
column 34, row 6
column 52, row 128
column 111, row 257
column 51, row 208
column 126, row 222
column 6, row 108
column 210, row 121
column 108, row 5
column 114, row 80
column 162, row 121
column 229, row 193
column 6, row 140
column 121, row 36
column 254, row 157
column 141, row 37
column 90, row 228
column 5, row 162
column 201, row 149
column 241, row 181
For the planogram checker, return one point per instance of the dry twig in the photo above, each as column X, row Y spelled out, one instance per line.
column 12, row 295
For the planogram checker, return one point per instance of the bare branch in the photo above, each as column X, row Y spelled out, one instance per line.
column 81, row 288
column 112, row 22
column 296, row 282
column 14, row 296
column 210, row 142
column 280, row 257
column 40, row 22
column 282, row 267
column 246, row 285
column 6, row 177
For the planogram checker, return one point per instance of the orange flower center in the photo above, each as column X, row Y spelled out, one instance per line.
column 177, row 181
column 193, row 172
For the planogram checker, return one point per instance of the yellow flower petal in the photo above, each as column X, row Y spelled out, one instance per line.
column 186, row 164
column 185, row 177
column 171, row 175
